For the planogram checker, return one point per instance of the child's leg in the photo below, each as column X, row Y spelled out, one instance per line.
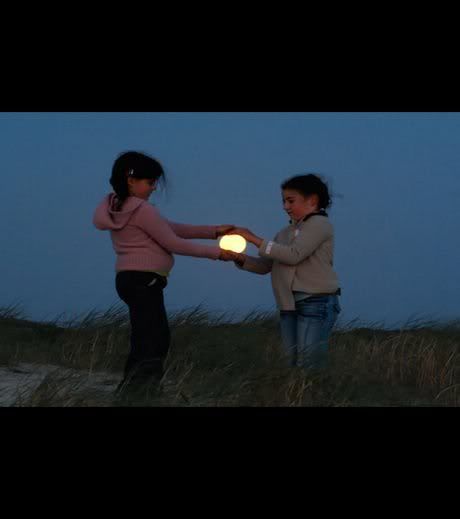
column 150, row 334
column 288, row 326
column 313, row 331
column 333, row 310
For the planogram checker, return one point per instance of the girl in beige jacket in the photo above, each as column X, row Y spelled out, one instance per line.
column 300, row 260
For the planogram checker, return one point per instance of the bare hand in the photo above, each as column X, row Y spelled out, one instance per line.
column 228, row 255
column 224, row 229
column 240, row 259
column 242, row 231
column 247, row 235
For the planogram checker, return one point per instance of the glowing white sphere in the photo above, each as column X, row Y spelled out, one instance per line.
column 233, row 242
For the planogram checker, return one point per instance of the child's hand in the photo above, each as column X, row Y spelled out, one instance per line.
column 242, row 231
column 240, row 259
column 224, row 229
column 247, row 235
column 228, row 255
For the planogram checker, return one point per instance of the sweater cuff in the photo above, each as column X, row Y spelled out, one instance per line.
column 265, row 248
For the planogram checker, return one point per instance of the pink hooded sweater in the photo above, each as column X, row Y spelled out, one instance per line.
column 144, row 240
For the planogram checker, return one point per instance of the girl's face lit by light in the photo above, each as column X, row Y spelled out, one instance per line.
column 297, row 206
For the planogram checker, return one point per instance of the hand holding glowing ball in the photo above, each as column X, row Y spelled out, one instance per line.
column 233, row 242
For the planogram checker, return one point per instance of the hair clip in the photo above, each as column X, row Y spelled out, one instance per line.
column 131, row 172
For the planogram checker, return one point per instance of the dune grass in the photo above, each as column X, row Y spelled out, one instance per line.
column 215, row 361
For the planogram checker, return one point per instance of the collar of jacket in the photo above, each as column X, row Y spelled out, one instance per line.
column 322, row 212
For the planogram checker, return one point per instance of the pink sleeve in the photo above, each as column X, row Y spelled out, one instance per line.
column 159, row 229
column 100, row 214
column 207, row 232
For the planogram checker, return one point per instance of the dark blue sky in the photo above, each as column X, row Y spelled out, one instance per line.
column 396, row 211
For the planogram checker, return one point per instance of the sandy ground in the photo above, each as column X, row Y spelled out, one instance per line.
column 18, row 382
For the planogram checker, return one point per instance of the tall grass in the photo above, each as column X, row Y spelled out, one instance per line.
column 214, row 361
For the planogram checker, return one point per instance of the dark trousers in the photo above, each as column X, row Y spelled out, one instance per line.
column 150, row 335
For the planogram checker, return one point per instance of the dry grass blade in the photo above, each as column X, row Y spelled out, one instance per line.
column 215, row 360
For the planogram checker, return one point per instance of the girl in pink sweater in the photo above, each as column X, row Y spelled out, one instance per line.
column 144, row 243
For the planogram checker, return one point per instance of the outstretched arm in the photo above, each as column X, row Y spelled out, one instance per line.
column 206, row 232
column 158, row 228
column 312, row 235
column 310, row 238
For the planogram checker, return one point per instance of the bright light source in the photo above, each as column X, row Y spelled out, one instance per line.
column 233, row 242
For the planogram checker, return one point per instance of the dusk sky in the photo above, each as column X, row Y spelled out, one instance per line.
column 394, row 178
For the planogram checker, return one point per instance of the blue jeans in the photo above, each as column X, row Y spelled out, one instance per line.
column 305, row 331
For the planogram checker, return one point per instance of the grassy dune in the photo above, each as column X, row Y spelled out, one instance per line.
column 216, row 362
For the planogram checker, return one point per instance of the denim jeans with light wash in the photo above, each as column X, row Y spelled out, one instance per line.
column 305, row 331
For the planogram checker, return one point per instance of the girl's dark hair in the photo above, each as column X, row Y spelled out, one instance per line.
column 136, row 165
column 310, row 185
